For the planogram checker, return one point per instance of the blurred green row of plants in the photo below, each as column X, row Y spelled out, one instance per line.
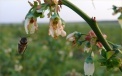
column 46, row 56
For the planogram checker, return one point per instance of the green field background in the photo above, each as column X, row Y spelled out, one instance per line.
column 46, row 56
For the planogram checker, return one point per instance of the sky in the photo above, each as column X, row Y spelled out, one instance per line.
column 14, row 11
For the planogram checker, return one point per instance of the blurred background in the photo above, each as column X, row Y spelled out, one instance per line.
column 14, row 11
column 46, row 56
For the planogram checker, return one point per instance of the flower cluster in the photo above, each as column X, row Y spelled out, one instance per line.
column 56, row 28
column 56, row 25
column 90, row 40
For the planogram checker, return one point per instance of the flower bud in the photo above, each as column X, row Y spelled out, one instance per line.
column 71, row 37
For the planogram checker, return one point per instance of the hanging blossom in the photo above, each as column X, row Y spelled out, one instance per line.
column 56, row 27
column 92, row 38
column 37, row 10
column 73, row 37
column 31, row 25
column 31, row 18
column 89, row 66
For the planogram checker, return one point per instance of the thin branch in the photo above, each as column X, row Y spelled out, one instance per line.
column 92, row 23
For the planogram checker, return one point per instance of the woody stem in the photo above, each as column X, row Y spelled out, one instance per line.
column 92, row 23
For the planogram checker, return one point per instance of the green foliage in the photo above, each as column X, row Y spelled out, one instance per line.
column 109, row 54
column 103, row 53
column 109, row 59
column 46, row 56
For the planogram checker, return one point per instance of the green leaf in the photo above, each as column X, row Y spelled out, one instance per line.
column 102, row 61
column 109, row 54
column 44, row 6
column 115, row 62
column 103, row 53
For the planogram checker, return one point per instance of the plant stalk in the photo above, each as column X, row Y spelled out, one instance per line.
column 91, row 21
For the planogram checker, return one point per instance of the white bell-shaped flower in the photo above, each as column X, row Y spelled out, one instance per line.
column 30, row 25
column 89, row 66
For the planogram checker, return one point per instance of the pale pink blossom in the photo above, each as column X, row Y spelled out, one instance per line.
column 56, row 28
